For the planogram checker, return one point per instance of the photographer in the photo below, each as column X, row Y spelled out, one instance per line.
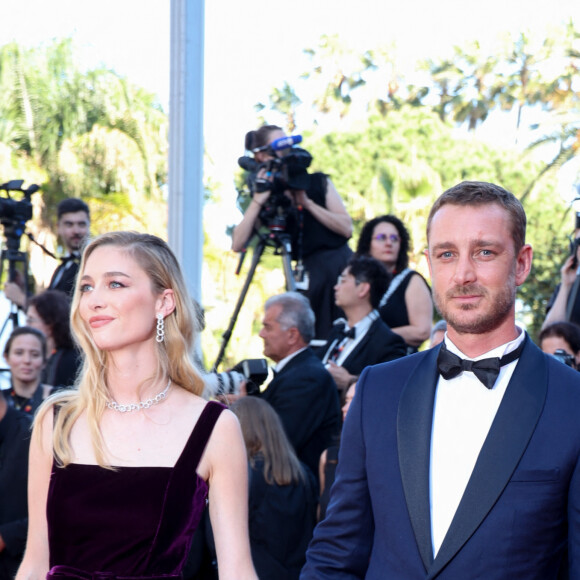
column 564, row 303
column 320, row 226
column 562, row 340
column 72, row 229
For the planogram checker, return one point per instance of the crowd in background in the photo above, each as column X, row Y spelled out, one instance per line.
column 364, row 308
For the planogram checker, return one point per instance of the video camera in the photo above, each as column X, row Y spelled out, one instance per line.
column 287, row 169
column 14, row 214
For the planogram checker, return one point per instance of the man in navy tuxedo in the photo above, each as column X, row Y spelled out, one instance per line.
column 462, row 461
column 362, row 339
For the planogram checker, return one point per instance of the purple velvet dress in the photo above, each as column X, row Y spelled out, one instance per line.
column 135, row 522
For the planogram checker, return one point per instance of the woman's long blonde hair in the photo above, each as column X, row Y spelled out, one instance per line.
column 174, row 359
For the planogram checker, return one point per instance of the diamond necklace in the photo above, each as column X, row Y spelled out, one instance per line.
column 141, row 404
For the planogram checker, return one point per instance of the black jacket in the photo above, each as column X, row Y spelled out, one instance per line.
column 380, row 344
column 14, row 442
column 306, row 398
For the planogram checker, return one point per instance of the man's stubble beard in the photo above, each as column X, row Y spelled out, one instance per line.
column 500, row 308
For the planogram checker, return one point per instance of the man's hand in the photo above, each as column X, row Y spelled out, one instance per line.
column 15, row 294
column 300, row 197
column 341, row 376
column 568, row 272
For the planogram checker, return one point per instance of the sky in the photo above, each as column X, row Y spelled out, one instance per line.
column 252, row 46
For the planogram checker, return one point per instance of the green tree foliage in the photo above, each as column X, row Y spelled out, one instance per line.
column 89, row 134
column 407, row 151
column 401, row 163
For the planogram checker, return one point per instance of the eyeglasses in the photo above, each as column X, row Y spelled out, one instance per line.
column 394, row 238
column 344, row 277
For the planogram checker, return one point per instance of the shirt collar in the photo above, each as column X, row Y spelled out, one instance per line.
column 498, row 351
column 281, row 364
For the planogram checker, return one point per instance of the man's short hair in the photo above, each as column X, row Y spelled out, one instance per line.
column 367, row 269
column 296, row 312
column 71, row 205
column 481, row 193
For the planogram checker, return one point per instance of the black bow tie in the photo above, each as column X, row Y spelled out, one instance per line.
column 343, row 333
column 486, row 370
column 70, row 258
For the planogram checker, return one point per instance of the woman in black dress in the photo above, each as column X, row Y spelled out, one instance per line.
column 316, row 220
column 407, row 306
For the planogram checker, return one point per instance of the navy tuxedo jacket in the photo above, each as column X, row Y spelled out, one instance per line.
column 520, row 510
column 379, row 344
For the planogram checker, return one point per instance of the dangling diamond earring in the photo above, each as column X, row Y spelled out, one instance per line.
column 160, row 328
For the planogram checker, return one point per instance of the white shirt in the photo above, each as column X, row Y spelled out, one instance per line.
column 361, row 328
column 464, row 410
column 281, row 364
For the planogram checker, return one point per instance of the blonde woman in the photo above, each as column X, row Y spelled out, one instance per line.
column 121, row 466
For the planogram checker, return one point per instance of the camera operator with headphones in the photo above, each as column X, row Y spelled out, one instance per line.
column 323, row 230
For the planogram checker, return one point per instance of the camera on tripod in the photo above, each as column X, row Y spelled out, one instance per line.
column 285, row 170
column 14, row 214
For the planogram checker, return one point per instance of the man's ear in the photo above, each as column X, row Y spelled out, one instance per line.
column 523, row 263
column 293, row 335
column 426, row 254
column 364, row 289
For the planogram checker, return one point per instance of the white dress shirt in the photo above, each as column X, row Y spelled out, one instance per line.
column 464, row 410
column 281, row 364
column 348, row 344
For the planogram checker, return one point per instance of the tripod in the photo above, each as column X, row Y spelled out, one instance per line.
column 283, row 247
column 12, row 254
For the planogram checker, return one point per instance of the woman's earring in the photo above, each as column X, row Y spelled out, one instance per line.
column 160, row 328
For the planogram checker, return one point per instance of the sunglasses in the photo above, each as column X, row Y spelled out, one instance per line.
column 394, row 238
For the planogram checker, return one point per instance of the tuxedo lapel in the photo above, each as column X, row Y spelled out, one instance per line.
column 360, row 348
column 509, row 435
column 414, row 422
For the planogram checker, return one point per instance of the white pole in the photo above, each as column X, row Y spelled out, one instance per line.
column 185, row 229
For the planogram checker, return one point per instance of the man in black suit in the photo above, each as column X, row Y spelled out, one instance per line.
column 74, row 220
column 302, row 392
column 73, row 228
column 363, row 339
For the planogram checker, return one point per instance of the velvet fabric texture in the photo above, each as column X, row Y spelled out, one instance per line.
column 134, row 522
